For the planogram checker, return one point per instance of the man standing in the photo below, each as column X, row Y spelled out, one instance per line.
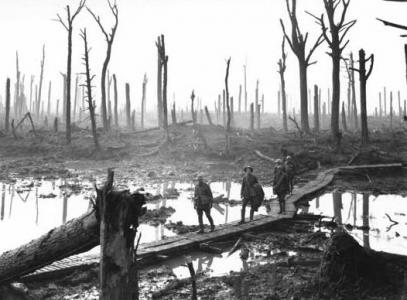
column 248, row 192
column 280, row 184
column 203, row 201
column 289, row 167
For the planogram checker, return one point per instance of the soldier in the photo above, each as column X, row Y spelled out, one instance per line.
column 203, row 201
column 280, row 184
column 248, row 192
column 289, row 167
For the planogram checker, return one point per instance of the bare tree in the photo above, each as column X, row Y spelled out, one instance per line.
column 338, row 30
column 227, row 145
column 40, row 83
column 363, row 77
column 298, row 43
column 68, row 25
column 163, row 60
column 143, row 100
column 116, row 116
column 89, row 78
column 109, row 40
column 281, row 70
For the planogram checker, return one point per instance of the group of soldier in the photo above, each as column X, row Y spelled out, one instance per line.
column 251, row 192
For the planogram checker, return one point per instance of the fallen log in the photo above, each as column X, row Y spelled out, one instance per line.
column 265, row 157
column 76, row 236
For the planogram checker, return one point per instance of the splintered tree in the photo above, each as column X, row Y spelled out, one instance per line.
column 109, row 40
column 163, row 60
column 298, row 43
column 281, row 70
column 338, row 30
column 227, row 145
column 363, row 77
column 143, row 100
column 68, row 25
column 89, row 78
column 37, row 110
column 116, row 114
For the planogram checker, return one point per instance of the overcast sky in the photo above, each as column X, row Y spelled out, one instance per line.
column 200, row 35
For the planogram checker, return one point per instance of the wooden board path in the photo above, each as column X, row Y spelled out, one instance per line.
column 191, row 241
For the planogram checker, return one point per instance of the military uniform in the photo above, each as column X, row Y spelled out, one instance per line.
column 203, row 201
column 281, row 186
column 289, row 168
column 248, row 194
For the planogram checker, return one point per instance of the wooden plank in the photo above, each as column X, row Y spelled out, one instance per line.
column 190, row 241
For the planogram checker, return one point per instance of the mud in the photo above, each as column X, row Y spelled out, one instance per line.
column 281, row 263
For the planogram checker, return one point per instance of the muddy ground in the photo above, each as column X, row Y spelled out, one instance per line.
column 143, row 157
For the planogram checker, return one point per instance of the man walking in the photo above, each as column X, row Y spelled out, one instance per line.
column 281, row 185
column 203, row 201
column 248, row 192
column 289, row 167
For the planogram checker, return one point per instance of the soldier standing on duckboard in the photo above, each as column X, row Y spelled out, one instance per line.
column 281, row 185
column 248, row 192
column 203, row 201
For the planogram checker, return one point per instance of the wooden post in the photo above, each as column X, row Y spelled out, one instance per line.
column 118, row 215
column 128, row 116
column 252, row 116
column 316, row 109
column 7, row 117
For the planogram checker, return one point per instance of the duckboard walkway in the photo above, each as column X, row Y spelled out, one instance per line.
column 182, row 243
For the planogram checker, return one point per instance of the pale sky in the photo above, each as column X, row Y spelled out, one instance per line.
column 200, row 35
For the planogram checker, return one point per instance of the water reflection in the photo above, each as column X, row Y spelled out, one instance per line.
column 29, row 208
column 364, row 216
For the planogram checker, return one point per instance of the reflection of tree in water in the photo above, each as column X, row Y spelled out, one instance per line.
column 337, row 205
column 3, row 202
column 366, row 242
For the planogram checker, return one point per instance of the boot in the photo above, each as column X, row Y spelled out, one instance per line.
column 201, row 230
column 281, row 207
column 243, row 215
column 251, row 214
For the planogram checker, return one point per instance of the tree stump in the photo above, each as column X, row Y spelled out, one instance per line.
column 118, row 213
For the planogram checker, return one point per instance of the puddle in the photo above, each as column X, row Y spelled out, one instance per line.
column 368, row 213
column 30, row 208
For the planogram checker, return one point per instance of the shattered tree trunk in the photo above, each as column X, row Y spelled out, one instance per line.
column 282, row 101
column 252, row 116
column 143, row 100
column 208, row 116
column 159, row 85
column 128, row 113
column 344, row 126
column 316, row 110
column 116, row 115
column 229, row 114
column 363, row 77
column 76, row 236
column 89, row 78
column 7, row 117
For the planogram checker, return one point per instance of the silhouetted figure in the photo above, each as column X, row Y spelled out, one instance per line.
column 281, row 186
column 248, row 192
column 203, row 201
column 289, row 167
